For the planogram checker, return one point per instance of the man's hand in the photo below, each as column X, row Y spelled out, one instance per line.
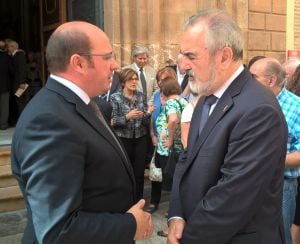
column 144, row 226
column 175, row 230
column 22, row 86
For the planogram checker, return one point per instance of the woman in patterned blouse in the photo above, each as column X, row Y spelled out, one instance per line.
column 167, row 125
column 130, row 120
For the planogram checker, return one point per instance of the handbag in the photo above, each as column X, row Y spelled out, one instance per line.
column 155, row 173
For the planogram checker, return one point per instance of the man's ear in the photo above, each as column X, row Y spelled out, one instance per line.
column 272, row 82
column 226, row 57
column 78, row 63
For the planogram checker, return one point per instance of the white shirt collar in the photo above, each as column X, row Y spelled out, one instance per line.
column 73, row 87
column 227, row 83
column 137, row 67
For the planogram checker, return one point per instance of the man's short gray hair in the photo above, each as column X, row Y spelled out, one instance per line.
column 140, row 50
column 222, row 31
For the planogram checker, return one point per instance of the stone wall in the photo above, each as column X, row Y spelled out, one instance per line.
column 267, row 28
column 157, row 25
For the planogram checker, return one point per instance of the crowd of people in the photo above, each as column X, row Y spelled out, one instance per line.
column 19, row 72
column 81, row 145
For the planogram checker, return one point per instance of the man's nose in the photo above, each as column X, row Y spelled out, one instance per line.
column 185, row 63
column 114, row 65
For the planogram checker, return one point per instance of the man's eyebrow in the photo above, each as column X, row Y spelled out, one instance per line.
column 188, row 54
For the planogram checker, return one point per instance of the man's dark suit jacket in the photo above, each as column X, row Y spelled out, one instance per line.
column 77, row 183
column 185, row 79
column 20, row 66
column 228, row 185
column 6, row 72
column 115, row 84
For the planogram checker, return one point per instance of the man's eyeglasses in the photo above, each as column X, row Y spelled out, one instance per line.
column 106, row 56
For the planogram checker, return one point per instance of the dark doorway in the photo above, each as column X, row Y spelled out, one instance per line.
column 88, row 10
column 20, row 21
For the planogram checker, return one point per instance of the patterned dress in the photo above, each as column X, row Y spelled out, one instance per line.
column 172, row 106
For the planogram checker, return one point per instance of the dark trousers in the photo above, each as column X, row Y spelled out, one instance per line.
column 297, row 214
column 150, row 149
column 22, row 102
column 4, row 109
column 157, row 187
column 136, row 149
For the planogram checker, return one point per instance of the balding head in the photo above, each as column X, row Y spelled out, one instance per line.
column 68, row 39
column 269, row 72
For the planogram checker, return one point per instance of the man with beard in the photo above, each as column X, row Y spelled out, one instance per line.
column 227, row 186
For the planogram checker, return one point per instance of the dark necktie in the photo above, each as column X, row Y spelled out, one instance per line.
column 143, row 81
column 210, row 100
column 99, row 115
column 184, row 82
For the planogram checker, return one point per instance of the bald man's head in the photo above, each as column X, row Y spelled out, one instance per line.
column 68, row 39
column 269, row 72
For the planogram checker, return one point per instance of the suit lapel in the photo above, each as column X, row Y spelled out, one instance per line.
column 223, row 107
column 87, row 114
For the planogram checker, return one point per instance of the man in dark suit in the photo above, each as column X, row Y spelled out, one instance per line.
column 114, row 87
column 20, row 77
column 6, row 76
column 74, row 174
column 182, row 75
column 228, row 187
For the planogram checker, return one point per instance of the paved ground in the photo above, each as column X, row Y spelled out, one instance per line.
column 9, row 238
column 13, row 223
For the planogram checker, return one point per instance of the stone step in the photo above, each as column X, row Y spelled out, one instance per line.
column 6, row 177
column 5, row 155
column 11, row 199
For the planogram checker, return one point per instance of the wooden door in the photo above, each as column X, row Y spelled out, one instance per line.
column 53, row 13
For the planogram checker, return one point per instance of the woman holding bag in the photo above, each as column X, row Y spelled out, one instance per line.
column 167, row 127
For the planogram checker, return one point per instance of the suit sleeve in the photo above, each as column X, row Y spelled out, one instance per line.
column 255, row 157
column 54, row 187
column 21, row 67
column 175, row 204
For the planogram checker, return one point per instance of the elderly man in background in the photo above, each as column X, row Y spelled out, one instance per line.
column 290, row 66
column 269, row 72
column 20, row 74
column 227, row 187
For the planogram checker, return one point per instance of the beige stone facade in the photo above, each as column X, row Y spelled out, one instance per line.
column 157, row 25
